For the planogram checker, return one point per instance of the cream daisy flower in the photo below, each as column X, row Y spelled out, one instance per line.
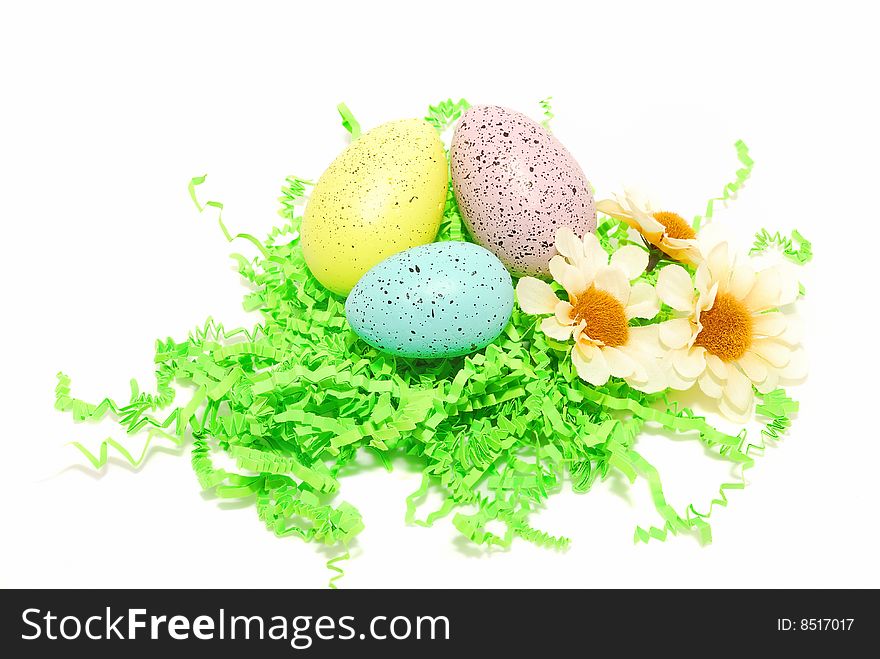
column 668, row 232
column 731, row 334
column 601, row 302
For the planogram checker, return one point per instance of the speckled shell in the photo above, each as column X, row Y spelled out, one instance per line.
column 516, row 185
column 383, row 194
column 438, row 300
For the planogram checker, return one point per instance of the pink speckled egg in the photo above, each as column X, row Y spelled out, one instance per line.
column 516, row 185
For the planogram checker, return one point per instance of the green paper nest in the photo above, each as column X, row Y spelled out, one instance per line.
column 295, row 399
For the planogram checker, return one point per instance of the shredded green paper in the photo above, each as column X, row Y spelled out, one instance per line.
column 295, row 399
column 548, row 112
column 802, row 254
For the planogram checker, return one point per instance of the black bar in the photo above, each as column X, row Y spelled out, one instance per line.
column 522, row 622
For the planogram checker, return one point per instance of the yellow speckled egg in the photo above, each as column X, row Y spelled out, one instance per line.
column 385, row 193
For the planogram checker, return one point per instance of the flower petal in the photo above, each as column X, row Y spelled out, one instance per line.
column 734, row 414
column 552, row 328
column 769, row 324
column 738, row 391
column 707, row 300
column 679, row 243
column 569, row 245
column 620, row 364
column 643, row 219
column 594, row 254
column 794, row 330
column 710, row 236
column 643, row 302
column 579, row 330
column 771, row 383
column 612, row 208
column 563, row 312
column 614, row 281
column 689, row 364
column 718, row 367
column 673, row 379
column 631, row 259
column 571, row 278
column 789, row 287
column 654, row 381
column 649, row 376
column 754, row 367
column 776, row 353
column 645, row 339
column 675, row 288
column 742, row 278
column 797, row 367
column 710, row 385
column 535, row 296
column 703, row 279
column 649, row 227
column 719, row 265
column 766, row 292
column 590, row 364
column 675, row 333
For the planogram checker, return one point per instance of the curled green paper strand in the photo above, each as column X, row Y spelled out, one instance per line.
column 348, row 121
column 730, row 190
column 98, row 461
column 446, row 113
column 548, row 112
column 198, row 180
column 775, row 406
column 333, row 566
column 612, row 233
column 295, row 400
column 292, row 194
column 801, row 255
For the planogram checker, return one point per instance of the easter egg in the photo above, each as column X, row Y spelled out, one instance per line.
column 516, row 185
column 383, row 194
column 438, row 300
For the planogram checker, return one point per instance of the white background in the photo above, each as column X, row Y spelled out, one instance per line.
column 107, row 110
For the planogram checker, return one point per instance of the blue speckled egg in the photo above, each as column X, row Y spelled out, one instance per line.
column 438, row 300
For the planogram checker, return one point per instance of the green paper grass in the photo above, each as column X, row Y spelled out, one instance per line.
column 548, row 112
column 295, row 399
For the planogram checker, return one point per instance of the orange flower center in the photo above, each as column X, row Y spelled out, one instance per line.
column 603, row 314
column 727, row 328
column 675, row 225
